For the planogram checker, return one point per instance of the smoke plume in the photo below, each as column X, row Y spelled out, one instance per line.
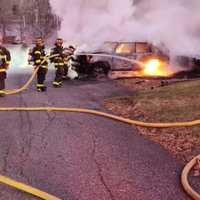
column 174, row 24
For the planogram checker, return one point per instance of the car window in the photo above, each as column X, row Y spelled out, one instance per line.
column 109, row 47
column 125, row 48
column 142, row 47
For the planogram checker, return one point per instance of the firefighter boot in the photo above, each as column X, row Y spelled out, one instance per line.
column 2, row 93
column 44, row 89
column 57, row 84
column 41, row 88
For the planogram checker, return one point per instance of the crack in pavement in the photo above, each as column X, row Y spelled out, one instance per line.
column 27, row 136
column 5, row 158
column 32, row 134
column 100, row 171
column 50, row 119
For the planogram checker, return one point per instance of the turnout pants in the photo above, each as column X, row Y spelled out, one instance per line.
column 65, row 73
column 2, row 82
column 41, row 76
column 59, row 76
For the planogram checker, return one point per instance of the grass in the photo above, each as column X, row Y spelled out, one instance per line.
column 177, row 102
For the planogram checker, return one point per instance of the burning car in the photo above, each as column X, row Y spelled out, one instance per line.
column 134, row 59
column 153, row 61
column 138, row 59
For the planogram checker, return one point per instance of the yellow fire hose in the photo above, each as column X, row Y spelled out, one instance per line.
column 46, row 196
column 184, row 178
column 25, row 86
column 27, row 188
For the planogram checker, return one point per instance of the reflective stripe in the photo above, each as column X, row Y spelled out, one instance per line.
column 44, row 66
column 8, row 62
column 38, row 61
column 59, row 64
column 2, row 70
column 2, row 92
column 40, row 85
column 2, row 56
column 37, row 52
column 56, row 83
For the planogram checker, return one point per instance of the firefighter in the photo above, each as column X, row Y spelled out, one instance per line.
column 82, row 64
column 66, row 61
column 72, row 49
column 5, row 60
column 59, row 62
column 75, row 64
column 38, row 55
column 68, row 53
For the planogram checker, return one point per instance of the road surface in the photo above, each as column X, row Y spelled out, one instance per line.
column 78, row 156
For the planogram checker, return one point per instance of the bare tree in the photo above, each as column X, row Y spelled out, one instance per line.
column 34, row 17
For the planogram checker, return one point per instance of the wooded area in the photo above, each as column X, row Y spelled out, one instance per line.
column 22, row 20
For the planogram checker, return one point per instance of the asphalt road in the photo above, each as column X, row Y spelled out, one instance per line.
column 77, row 156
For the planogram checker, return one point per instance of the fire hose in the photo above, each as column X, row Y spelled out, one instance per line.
column 46, row 196
column 184, row 178
column 26, row 85
column 114, row 56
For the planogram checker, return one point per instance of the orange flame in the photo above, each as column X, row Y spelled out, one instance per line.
column 154, row 67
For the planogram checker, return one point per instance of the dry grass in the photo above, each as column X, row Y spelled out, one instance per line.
column 177, row 102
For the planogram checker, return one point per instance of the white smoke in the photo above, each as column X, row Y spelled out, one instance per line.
column 176, row 24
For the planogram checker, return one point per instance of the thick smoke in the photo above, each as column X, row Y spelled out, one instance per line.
column 174, row 24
